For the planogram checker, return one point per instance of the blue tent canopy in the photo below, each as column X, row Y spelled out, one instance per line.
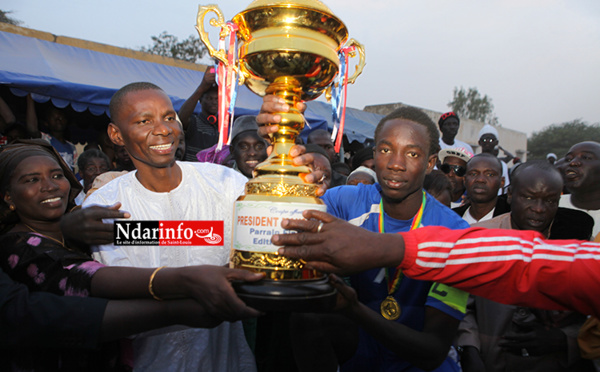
column 86, row 79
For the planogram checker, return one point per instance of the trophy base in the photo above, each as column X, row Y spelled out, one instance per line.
column 300, row 296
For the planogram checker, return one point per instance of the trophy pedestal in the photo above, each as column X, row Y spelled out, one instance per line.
column 297, row 296
column 288, row 284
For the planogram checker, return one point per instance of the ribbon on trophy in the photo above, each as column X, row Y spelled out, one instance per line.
column 338, row 97
column 227, row 80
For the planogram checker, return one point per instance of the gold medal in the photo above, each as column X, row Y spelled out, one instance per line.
column 390, row 308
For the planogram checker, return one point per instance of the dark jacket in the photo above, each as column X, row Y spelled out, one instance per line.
column 502, row 207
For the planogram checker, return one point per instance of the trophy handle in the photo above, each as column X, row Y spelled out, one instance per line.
column 361, row 62
column 203, row 10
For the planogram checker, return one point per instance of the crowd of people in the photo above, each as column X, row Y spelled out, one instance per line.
column 400, row 213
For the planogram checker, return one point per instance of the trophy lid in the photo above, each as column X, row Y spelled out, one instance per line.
column 311, row 4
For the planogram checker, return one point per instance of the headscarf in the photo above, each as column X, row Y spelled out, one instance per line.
column 12, row 155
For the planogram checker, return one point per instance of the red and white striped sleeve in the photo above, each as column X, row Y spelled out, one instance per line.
column 508, row 266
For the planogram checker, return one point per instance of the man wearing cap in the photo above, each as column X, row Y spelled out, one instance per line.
column 488, row 140
column 449, row 124
column 248, row 149
column 551, row 157
column 362, row 175
column 454, row 165
column 201, row 131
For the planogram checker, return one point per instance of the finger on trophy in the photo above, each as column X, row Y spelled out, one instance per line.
column 300, row 224
column 266, row 131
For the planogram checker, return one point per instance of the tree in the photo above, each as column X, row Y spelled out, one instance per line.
column 191, row 49
column 558, row 138
column 4, row 18
column 472, row 106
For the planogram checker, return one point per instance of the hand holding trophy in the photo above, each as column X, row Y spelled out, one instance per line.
column 290, row 49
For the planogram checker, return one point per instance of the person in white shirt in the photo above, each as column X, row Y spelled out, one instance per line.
column 144, row 121
column 449, row 124
column 581, row 173
column 488, row 140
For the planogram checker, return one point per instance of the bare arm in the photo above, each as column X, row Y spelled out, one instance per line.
column 6, row 114
column 31, row 118
column 187, row 109
column 210, row 286
column 126, row 317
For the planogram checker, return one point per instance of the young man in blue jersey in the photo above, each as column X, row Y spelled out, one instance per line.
column 404, row 324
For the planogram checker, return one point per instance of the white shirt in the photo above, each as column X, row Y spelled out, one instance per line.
column 206, row 192
column 471, row 220
column 502, row 190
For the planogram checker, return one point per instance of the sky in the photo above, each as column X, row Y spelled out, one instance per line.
column 538, row 60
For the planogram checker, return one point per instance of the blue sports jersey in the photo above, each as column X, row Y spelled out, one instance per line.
column 360, row 206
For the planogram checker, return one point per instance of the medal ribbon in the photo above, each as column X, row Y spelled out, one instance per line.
column 393, row 286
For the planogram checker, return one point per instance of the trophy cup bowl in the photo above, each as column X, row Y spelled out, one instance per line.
column 289, row 49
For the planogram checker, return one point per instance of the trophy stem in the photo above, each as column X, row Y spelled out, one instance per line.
column 292, row 123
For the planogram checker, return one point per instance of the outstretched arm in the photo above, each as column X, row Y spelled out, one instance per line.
column 209, row 285
column 40, row 319
column 126, row 317
column 508, row 266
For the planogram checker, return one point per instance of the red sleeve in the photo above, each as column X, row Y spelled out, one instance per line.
column 508, row 266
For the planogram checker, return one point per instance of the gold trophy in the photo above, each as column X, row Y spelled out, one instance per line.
column 289, row 49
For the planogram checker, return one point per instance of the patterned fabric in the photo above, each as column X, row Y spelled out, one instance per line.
column 44, row 265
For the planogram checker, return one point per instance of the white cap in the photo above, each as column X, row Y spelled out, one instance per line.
column 458, row 152
column 551, row 155
column 488, row 129
column 363, row 169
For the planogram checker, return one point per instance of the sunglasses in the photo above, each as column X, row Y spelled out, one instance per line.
column 459, row 171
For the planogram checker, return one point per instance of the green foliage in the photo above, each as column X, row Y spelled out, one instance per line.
column 4, row 18
column 469, row 104
column 191, row 49
column 558, row 138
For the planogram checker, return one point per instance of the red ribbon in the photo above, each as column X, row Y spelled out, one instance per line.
column 226, row 78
